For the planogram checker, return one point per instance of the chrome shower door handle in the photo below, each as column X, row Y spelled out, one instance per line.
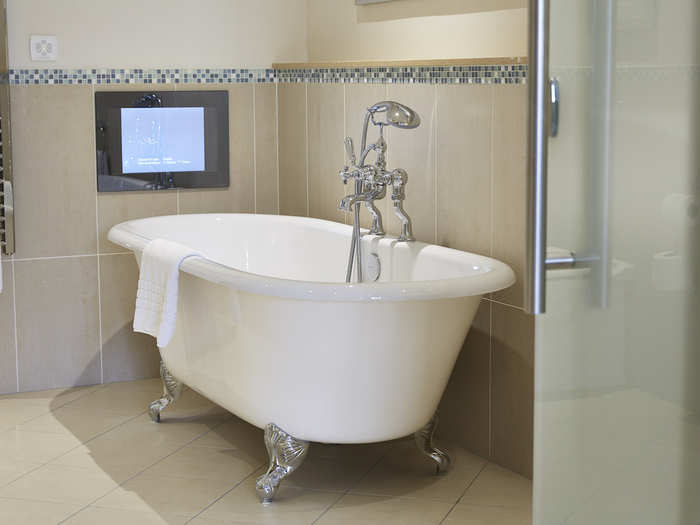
column 554, row 106
column 538, row 130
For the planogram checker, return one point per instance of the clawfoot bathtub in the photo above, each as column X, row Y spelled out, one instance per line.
column 268, row 329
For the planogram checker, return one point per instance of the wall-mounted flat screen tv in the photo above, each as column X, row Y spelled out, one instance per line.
column 150, row 140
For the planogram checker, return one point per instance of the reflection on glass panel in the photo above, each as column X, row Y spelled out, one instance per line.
column 617, row 430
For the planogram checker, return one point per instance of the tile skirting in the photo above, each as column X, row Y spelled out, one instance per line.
column 475, row 73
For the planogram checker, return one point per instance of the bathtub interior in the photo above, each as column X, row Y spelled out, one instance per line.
column 307, row 250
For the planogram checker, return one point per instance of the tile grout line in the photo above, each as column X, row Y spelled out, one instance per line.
column 347, row 491
column 436, row 164
column 490, row 379
column 306, row 143
column 255, row 156
column 97, row 251
column 208, row 506
column 277, row 145
column 99, row 288
column 345, row 133
column 56, row 257
column 139, row 472
column 494, row 301
column 14, row 317
column 486, row 463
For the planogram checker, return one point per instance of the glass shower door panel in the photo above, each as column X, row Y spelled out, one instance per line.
column 617, row 381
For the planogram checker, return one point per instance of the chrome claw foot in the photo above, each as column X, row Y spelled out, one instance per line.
column 172, row 389
column 424, row 440
column 286, row 454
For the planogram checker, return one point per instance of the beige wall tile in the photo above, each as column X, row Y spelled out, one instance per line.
column 326, row 149
column 8, row 376
column 512, row 388
column 266, row 191
column 510, row 184
column 57, row 322
column 125, row 355
column 465, row 405
column 113, row 208
column 292, row 149
column 464, row 167
column 239, row 196
column 54, row 170
column 414, row 151
column 358, row 97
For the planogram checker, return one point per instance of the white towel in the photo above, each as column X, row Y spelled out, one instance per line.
column 156, row 299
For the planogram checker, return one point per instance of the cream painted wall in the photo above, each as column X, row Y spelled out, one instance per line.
column 160, row 33
column 340, row 30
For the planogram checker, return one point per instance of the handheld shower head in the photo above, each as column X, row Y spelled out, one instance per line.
column 396, row 114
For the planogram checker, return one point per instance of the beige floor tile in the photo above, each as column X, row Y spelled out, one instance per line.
column 165, row 494
column 405, row 472
column 60, row 484
column 51, row 399
column 11, row 469
column 123, row 401
column 330, row 474
column 235, row 433
column 25, row 512
column 227, row 465
column 37, row 447
column 83, row 424
column 370, row 453
column 120, row 460
column 105, row 516
column 15, row 412
column 376, row 510
column 473, row 515
column 499, row 487
column 178, row 430
column 292, row 505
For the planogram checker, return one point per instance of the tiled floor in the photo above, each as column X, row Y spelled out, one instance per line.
column 91, row 455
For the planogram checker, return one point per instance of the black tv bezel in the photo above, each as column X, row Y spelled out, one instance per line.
column 105, row 126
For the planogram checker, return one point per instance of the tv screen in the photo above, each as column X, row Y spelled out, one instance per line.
column 162, row 139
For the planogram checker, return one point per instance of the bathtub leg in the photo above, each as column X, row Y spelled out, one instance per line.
column 424, row 440
column 172, row 388
column 286, row 454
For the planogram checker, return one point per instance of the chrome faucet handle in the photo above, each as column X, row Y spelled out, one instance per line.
column 399, row 178
column 350, row 151
column 345, row 174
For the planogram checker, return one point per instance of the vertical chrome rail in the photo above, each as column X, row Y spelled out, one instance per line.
column 538, row 130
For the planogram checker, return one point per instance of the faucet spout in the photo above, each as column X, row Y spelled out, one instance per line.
column 349, row 201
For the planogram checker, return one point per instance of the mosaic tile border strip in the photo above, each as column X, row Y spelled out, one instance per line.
column 467, row 74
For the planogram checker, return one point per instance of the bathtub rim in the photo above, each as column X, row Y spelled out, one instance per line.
column 499, row 276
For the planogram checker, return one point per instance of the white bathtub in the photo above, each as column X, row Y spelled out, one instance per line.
column 268, row 329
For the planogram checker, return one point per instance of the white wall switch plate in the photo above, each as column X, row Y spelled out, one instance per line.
column 43, row 47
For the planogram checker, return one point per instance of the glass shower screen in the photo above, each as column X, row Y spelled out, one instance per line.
column 617, row 381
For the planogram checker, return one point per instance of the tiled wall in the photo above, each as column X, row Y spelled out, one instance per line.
column 67, row 304
column 65, row 315
column 466, row 190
